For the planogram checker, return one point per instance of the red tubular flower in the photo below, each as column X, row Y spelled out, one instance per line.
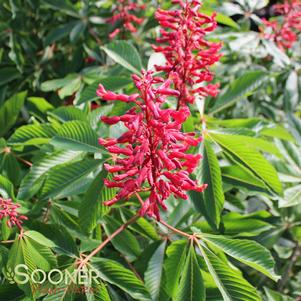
column 125, row 13
column 152, row 153
column 9, row 209
column 284, row 33
column 188, row 54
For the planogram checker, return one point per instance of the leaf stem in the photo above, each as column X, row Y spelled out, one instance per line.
column 176, row 230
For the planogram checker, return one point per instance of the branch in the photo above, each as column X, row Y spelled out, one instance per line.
column 177, row 230
column 108, row 239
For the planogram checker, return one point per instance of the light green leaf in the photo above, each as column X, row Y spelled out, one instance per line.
column 231, row 284
column 69, row 113
column 239, row 88
column 66, row 176
column 241, row 176
column 6, row 188
column 40, row 238
column 125, row 54
column 33, row 180
column 173, row 265
column 78, row 136
column 250, row 158
column 92, row 208
column 211, row 201
column 116, row 274
column 191, row 287
column 9, row 112
column 247, row 251
column 32, row 134
column 154, row 271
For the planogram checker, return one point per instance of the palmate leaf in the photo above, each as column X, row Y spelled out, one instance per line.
column 250, row 158
column 66, row 177
column 77, row 136
column 32, row 181
column 125, row 54
column 247, row 251
column 173, row 265
column 210, row 201
column 154, row 272
column 231, row 284
column 238, row 89
column 191, row 287
column 32, row 134
column 114, row 273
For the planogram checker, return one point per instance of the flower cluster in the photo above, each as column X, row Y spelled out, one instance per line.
column 124, row 12
column 8, row 210
column 152, row 153
column 284, row 33
column 188, row 54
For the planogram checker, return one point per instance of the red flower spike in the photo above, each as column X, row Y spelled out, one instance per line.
column 124, row 12
column 8, row 210
column 152, row 153
column 188, row 55
column 284, row 33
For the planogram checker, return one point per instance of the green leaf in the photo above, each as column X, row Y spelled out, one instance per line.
column 238, row 89
column 250, row 158
column 69, row 113
column 123, row 278
column 39, row 238
column 276, row 296
column 41, row 256
column 33, row 180
column 191, row 287
column 211, row 201
column 92, row 208
column 66, row 176
column 221, row 18
column 77, row 31
column 6, row 188
column 58, row 33
column 77, row 136
column 9, row 112
column 154, row 272
column 241, row 176
column 8, row 74
column 62, row 5
column 125, row 54
column 173, row 265
column 55, row 84
column 292, row 197
column 112, row 83
column 125, row 242
column 247, row 251
column 32, row 134
column 231, row 284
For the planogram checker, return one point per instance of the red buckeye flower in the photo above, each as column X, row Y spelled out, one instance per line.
column 8, row 210
column 284, row 32
column 152, row 154
column 188, row 54
column 124, row 12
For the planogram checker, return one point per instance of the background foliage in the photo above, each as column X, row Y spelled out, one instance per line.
column 53, row 55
